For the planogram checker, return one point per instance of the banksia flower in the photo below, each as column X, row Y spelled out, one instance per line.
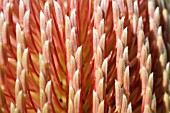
column 84, row 56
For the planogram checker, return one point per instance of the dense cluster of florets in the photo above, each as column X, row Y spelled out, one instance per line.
column 84, row 56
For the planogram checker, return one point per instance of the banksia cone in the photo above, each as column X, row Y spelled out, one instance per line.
column 84, row 56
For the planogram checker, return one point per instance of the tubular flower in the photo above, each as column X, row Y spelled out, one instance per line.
column 84, row 56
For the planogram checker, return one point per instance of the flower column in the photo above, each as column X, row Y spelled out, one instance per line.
column 74, row 63
column 100, row 64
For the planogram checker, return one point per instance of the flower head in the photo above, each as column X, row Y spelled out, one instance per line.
column 83, row 56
